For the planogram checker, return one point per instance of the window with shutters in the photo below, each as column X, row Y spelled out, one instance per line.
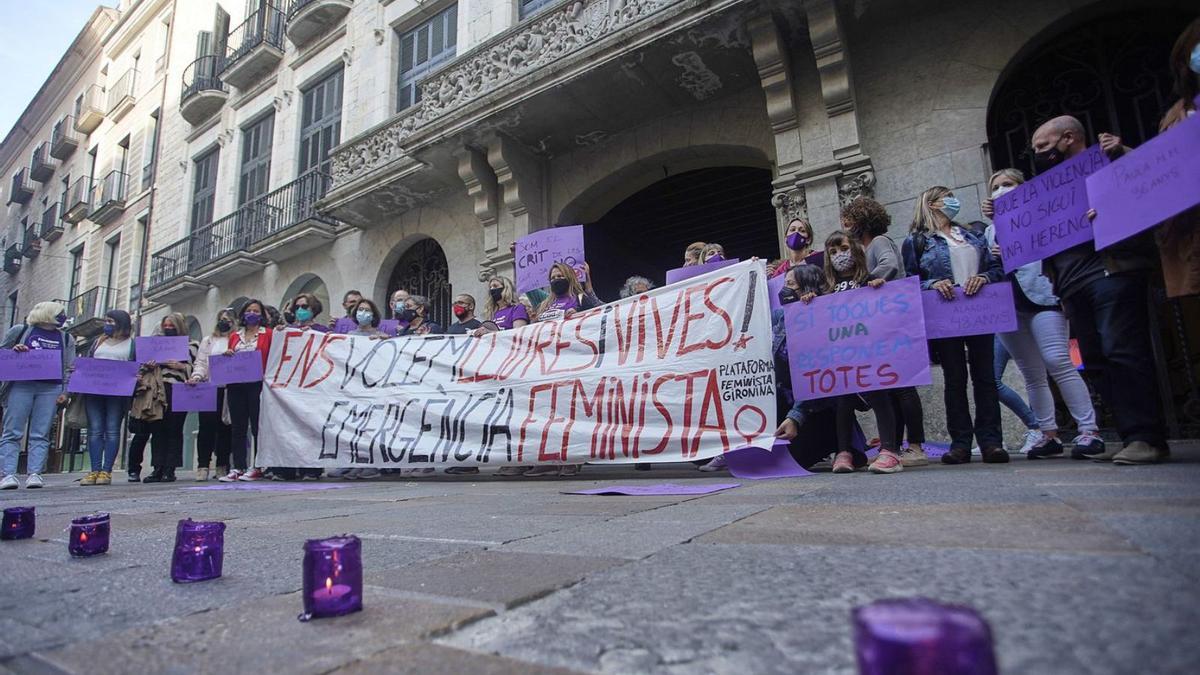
column 256, row 159
column 320, row 123
column 423, row 49
column 204, row 188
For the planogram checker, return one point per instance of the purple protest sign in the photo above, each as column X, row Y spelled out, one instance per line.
column 1147, row 186
column 991, row 310
column 161, row 348
column 683, row 273
column 344, row 325
column 773, row 287
column 199, row 397
column 537, row 252
column 759, row 464
column 861, row 340
column 103, row 376
column 390, row 327
column 35, row 364
column 1048, row 213
column 661, row 489
column 241, row 367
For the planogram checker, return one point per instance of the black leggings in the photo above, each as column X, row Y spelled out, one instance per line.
column 885, row 419
column 212, row 438
column 906, row 406
column 243, row 413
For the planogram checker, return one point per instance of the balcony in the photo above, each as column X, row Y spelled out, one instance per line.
column 85, row 312
column 108, row 197
column 31, row 243
column 42, row 166
column 77, row 201
column 51, row 226
column 562, row 69
column 203, row 91
column 12, row 259
column 123, row 95
column 275, row 227
column 309, row 19
column 63, row 140
column 21, row 191
column 255, row 47
column 89, row 109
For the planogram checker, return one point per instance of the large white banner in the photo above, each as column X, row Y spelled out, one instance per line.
column 681, row 373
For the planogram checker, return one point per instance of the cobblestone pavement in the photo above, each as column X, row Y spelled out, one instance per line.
column 1079, row 567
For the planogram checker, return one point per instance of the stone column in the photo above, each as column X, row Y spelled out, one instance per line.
column 520, row 180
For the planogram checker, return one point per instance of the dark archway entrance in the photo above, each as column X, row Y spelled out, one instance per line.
column 1109, row 70
column 422, row 270
column 647, row 233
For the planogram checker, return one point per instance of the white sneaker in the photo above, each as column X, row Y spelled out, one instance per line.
column 201, row 474
column 1032, row 438
column 231, row 477
column 914, row 457
column 717, row 464
column 364, row 474
column 10, row 483
column 251, row 475
column 33, row 481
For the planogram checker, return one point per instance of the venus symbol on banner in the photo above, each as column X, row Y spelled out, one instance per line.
column 678, row 373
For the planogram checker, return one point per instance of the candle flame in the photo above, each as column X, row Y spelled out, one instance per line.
column 197, row 549
column 83, row 536
column 328, row 584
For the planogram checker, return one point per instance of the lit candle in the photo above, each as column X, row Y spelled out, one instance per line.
column 89, row 535
column 332, row 577
column 922, row 637
column 199, row 551
column 19, row 523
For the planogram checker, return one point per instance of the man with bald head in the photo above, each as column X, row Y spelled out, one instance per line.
column 1104, row 294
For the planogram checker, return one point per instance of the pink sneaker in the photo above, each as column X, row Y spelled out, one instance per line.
column 887, row 462
column 843, row 463
column 251, row 475
column 231, row 477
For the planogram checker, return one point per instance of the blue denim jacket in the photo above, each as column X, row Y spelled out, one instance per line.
column 1035, row 285
column 934, row 264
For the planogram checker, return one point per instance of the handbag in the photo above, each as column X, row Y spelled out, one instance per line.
column 76, row 417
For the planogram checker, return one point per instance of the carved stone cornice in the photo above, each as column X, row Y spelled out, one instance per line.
column 829, row 49
column 791, row 204
column 853, row 186
column 772, row 61
column 555, row 34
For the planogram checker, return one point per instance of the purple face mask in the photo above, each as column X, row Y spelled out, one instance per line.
column 252, row 318
column 797, row 241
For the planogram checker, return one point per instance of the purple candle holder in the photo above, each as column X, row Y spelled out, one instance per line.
column 199, row 551
column 89, row 535
column 919, row 636
column 19, row 523
column 332, row 577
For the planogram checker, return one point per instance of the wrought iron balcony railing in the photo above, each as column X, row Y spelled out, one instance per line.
column 31, row 243
column 89, row 109
column 41, row 165
column 22, row 190
column 63, row 140
column 264, row 26
column 91, row 304
column 77, row 200
column 124, row 92
column 108, row 195
column 51, row 225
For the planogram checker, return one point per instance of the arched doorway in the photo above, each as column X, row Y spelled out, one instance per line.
column 1110, row 70
column 423, row 270
column 647, row 233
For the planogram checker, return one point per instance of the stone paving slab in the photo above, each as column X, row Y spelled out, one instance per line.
column 237, row 638
column 499, row 577
column 433, row 659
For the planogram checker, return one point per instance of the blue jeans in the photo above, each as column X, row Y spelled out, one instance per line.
column 33, row 403
column 105, row 414
column 1008, row 396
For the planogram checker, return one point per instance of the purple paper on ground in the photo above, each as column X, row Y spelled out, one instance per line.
column 861, row 340
column 535, row 253
column 390, row 327
column 932, row 450
column 272, row 487
column 684, row 273
column 160, row 348
column 344, row 325
column 991, row 310
column 199, row 397
column 660, row 489
column 758, row 464
column 240, row 367
column 103, row 376
column 1159, row 179
column 1048, row 213
column 35, row 364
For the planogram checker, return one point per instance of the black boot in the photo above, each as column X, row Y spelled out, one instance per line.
column 155, row 476
column 168, row 476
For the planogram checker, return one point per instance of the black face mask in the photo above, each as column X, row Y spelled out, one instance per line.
column 224, row 326
column 60, row 319
column 787, row 295
column 170, row 332
column 407, row 315
column 496, row 293
column 559, row 286
column 1049, row 158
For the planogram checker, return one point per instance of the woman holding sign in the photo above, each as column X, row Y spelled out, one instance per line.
column 212, row 437
column 1179, row 236
column 799, row 241
column 1040, row 346
column 502, row 309
column 32, row 403
column 105, row 413
column 166, row 444
column 946, row 255
column 566, row 297
column 243, row 397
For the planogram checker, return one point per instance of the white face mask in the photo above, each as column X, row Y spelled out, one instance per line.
column 1002, row 190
